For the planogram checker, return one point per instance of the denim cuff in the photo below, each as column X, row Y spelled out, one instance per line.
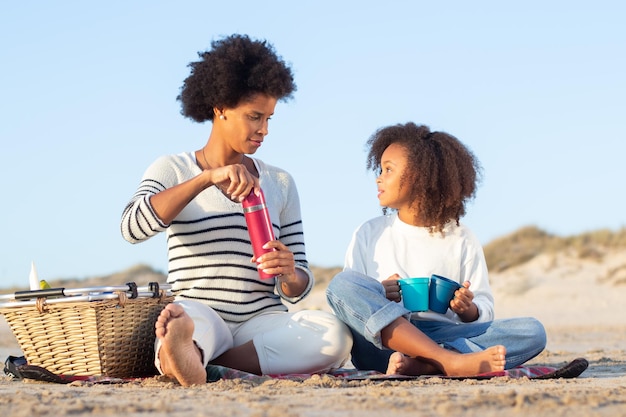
column 381, row 319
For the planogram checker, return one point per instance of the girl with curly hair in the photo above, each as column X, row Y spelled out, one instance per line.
column 224, row 314
column 425, row 178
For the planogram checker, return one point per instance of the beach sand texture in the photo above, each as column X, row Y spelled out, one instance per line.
column 581, row 303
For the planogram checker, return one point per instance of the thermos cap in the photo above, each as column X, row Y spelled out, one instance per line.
column 253, row 200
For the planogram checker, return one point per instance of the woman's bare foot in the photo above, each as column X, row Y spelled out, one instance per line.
column 179, row 356
column 469, row 364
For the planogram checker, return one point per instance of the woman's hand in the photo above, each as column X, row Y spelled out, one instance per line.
column 463, row 305
column 280, row 262
column 392, row 288
column 235, row 181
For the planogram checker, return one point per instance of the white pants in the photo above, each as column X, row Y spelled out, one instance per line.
column 307, row 341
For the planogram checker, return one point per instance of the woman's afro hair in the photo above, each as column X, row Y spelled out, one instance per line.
column 442, row 173
column 235, row 69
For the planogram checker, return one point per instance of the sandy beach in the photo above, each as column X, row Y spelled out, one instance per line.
column 582, row 309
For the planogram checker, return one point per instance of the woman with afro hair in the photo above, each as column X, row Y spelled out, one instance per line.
column 223, row 313
column 424, row 181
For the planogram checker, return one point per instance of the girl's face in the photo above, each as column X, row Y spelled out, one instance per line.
column 246, row 125
column 391, row 192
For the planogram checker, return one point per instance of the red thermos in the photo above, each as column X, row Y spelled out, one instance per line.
column 259, row 225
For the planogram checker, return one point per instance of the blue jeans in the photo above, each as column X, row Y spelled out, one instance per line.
column 360, row 302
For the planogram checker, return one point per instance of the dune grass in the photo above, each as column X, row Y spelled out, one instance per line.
column 524, row 244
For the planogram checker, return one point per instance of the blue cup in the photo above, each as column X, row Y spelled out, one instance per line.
column 414, row 293
column 440, row 293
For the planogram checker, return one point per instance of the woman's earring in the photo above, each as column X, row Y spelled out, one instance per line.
column 222, row 117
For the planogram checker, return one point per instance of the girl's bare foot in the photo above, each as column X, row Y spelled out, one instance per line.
column 400, row 364
column 179, row 356
column 457, row 364
column 489, row 360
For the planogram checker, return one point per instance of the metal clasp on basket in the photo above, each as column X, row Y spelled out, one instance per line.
column 156, row 291
column 132, row 286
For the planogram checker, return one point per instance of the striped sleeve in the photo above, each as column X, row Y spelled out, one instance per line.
column 139, row 221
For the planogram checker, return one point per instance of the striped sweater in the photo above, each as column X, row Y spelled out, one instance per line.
column 209, row 248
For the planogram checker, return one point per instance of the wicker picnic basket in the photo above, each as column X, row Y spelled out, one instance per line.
column 89, row 331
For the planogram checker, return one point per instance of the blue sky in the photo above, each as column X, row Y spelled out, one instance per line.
column 88, row 100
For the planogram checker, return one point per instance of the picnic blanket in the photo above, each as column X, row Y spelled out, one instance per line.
column 19, row 369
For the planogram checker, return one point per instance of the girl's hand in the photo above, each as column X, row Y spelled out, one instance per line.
column 392, row 288
column 463, row 305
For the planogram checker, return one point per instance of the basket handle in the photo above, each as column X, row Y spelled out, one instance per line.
column 49, row 292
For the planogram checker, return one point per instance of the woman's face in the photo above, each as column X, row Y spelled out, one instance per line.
column 245, row 125
column 391, row 192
